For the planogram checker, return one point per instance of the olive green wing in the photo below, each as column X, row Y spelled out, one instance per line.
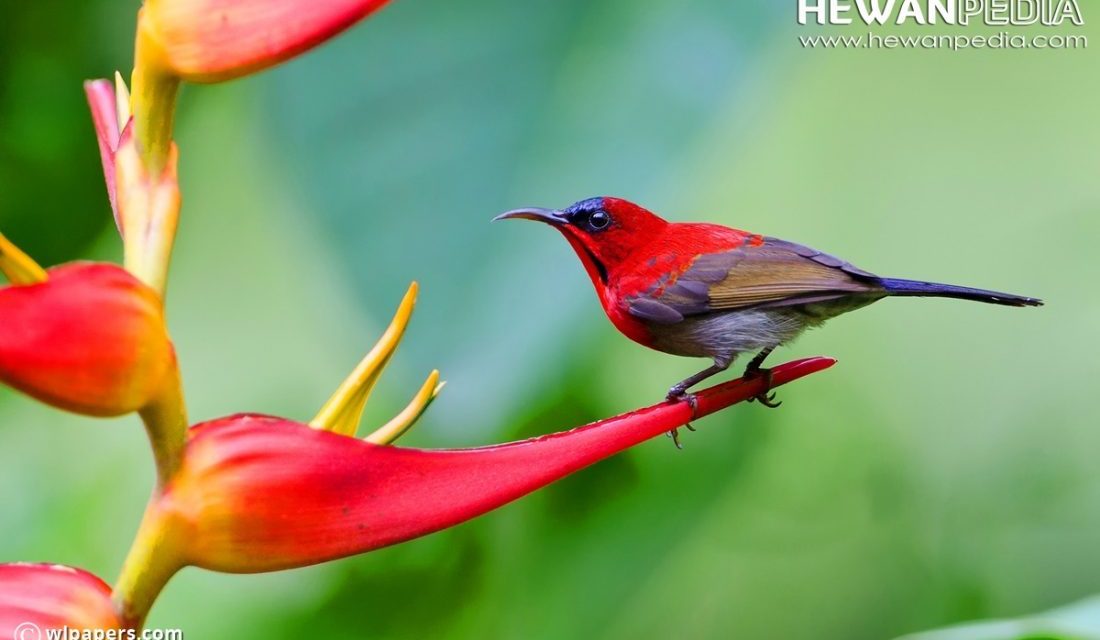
column 774, row 273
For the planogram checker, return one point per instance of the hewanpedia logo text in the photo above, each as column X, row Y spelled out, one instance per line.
column 950, row 12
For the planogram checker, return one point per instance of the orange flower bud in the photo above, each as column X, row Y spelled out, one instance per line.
column 215, row 40
column 90, row 339
column 37, row 597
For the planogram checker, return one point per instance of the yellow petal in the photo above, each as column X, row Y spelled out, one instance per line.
column 18, row 266
column 343, row 410
column 122, row 101
column 402, row 422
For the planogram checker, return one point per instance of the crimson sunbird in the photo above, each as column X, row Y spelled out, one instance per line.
column 705, row 290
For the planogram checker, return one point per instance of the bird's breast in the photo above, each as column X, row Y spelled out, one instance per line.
column 627, row 324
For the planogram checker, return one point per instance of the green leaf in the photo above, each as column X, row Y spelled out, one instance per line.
column 1078, row 621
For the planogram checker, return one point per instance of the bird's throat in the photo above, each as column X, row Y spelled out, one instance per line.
column 596, row 269
column 593, row 264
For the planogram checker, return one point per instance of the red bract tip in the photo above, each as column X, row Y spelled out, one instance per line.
column 90, row 339
column 36, row 597
column 258, row 493
column 101, row 100
column 215, row 40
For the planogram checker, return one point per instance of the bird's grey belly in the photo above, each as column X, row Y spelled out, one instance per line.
column 726, row 334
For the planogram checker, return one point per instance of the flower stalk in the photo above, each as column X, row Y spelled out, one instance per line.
column 153, row 99
column 165, row 420
column 155, row 556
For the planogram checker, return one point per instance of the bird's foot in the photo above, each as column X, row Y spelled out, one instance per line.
column 675, row 435
column 767, row 399
column 676, row 394
column 764, row 398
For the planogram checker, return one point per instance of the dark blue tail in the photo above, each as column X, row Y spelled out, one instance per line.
column 897, row 287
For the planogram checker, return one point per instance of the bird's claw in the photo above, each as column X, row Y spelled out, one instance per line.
column 764, row 398
column 676, row 394
column 767, row 399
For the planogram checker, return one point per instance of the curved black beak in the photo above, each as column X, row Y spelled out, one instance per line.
column 549, row 216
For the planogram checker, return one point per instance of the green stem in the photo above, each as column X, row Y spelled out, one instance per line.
column 155, row 556
column 165, row 421
column 153, row 100
column 156, row 553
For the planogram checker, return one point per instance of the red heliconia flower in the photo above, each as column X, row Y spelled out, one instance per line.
column 259, row 493
column 37, row 597
column 91, row 339
column 215, row 40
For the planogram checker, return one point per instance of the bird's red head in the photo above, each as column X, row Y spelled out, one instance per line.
column 604, row 231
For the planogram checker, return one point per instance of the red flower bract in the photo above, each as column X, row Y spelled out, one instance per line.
column 214, row 40
column 259, row 493
column 35, row 597
column 90, row 339
column 101, row 100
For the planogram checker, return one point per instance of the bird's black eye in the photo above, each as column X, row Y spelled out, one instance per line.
column 598, row 220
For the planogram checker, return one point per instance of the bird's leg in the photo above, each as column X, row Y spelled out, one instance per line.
column 754, row 370
column 679, row 391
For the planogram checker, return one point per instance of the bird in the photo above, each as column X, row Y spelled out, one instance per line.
column 706, row 290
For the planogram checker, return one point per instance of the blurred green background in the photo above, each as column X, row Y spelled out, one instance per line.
column 946, row 470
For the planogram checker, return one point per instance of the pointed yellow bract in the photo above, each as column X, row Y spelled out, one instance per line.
column 122, row 101
column 343, row 410
column 18, row 267
column 402, row 422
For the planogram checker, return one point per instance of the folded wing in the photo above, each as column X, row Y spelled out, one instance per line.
column 772, row 274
